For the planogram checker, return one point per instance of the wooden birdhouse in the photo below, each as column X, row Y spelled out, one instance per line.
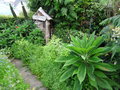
column 43, row 21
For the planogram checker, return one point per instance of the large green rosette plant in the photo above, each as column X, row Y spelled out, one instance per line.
column 84, row 63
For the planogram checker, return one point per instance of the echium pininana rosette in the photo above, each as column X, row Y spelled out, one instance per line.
column 84, row 63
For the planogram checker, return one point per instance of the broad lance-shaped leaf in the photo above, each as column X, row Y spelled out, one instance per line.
column 105, row 67
column 84, row 41
column 113, row 83
column 100, row 74
column 91, row 40
column 66, row 58
column 90, row 49
column 77, row 50
column 75, row 41
column 90, row 71
column 95, row 59
column 98, row 41
column 103, row 84
column 72, row 61
column 81, row 72
column 93, row 83
column 79, row 41
column 101, row 51
column 77, row 85
column 67, row 74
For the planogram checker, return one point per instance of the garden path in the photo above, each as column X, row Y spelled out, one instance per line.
column 27, row 76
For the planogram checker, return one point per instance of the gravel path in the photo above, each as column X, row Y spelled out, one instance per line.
column 27, row 76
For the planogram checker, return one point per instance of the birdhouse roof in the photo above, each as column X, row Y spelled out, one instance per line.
column 41, row 15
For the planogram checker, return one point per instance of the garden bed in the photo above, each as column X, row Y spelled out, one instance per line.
column 9, row 76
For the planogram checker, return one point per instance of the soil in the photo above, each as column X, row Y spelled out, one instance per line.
column 27, row 76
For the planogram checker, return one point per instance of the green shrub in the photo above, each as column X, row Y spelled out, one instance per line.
column 40, row 60
column 23, row 50
column 65, row 34
column 7, row 21
column 9, row 76
column 84, row 63
column 26, row 30
column 48, row 70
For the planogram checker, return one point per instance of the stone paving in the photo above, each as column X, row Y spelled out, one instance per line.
column 28, row 77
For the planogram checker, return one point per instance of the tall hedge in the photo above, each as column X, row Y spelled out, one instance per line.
column 76, row 14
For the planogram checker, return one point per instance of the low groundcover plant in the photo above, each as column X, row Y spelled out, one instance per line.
column 9, row 76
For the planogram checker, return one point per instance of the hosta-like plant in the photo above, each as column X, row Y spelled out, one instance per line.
column 84, row 62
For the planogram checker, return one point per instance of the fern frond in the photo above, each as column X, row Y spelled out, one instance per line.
column 115, row 20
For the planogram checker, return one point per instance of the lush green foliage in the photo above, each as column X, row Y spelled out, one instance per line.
column 12, row 32
column 23, row 50
column 8, row 21
column 41, row 61
column 65, row 34
column 9, row 76
column 110, row 23
column 84, row 62
column 72, row 14
column 114, row 21
column 111, row 33
column 111, row 7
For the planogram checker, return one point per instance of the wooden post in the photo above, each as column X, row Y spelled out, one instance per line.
column 47, row 31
